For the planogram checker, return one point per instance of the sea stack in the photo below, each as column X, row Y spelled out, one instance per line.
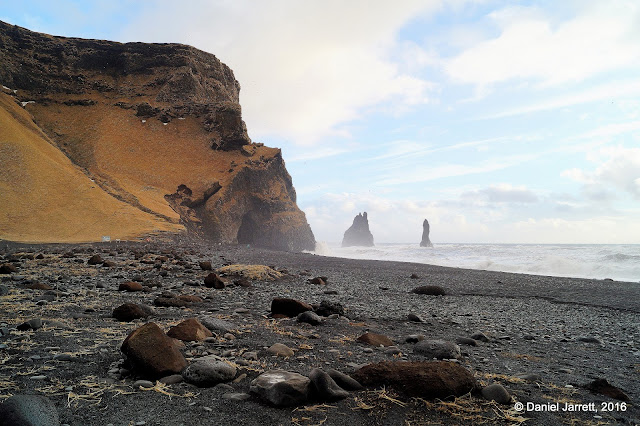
column 358, row 234
column 425, row 235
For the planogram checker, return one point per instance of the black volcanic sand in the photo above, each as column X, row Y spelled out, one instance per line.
column 536, row 325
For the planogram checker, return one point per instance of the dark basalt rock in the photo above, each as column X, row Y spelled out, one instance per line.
column 358, row 233
column 426, row 242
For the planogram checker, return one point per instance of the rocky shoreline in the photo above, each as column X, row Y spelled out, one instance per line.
column 547, row 343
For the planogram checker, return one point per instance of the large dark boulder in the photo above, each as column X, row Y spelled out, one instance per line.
column 422, row 379
column 358, row 233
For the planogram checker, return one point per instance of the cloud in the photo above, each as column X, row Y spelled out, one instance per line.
column 305, row 67
column 534, row 46
column 502, row 193
column 620, row 170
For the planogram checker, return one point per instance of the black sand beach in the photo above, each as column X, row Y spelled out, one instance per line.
column 548, row 337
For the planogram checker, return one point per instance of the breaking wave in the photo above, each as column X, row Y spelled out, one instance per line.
column 619, row 262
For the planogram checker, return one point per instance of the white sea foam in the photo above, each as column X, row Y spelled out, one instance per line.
column 618, row 262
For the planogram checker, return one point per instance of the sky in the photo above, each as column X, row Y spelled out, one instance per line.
column 498, row 121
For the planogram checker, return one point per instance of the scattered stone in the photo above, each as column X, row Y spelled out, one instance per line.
column 168, row 302
column 129, row 311
column 216, row 324
column 279, row 349
column 423, row 379
column 375, row 339
column 530, row 377
column 318, row 280
column 32, row 324
column 142, row 384
column 431, row 290
column 152, row 353
column 172, row 379
column 468, row 341
column 38, row 286
column 130, row 286
column 4, row 290
column 205, row 266
column 415, row 338
column 345, row 381
column 282, row 388
column 8, row 268
column 189, row 298
column 28, row 410
column 414, row 276
column 63, row 357
column 603, row 387
column 327, row 308
column 589, row 339
column 414, row 318
column 236, row 396
column 324, row 387
column 214, row 281
column 108, row 264
column 288, row 307
column 439, row 349
column 208, row 371
column 94, row 260
column 480, row 336
column 189, row 330
column 496, row 392
column 309, row 317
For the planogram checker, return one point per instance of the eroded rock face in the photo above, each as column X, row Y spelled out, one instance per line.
column 105, row 104
column 358, row 233
column 426, row 242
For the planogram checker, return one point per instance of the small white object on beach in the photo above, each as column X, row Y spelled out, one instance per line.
column 24, row 104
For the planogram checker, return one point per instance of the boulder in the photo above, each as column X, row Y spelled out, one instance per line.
column 208, row 371
column 28, row 410
column 426, row 242
column 282, row 388
column 324, row 387
column 431, row 290
column 496, row 392
column 375, row 339
column 439, row 349
column 96, row 259
column 327, row 308
column 345, row 381
column 309, row 317
column 152, row 353
column 8, row 268
column 358, row 233
column 214, row 281
column 130, row 311
column 130, row 286
column 189, row 330
column 422, row 379
column 205, row 266
column 280, row 349
column 603, row 387
column 217, row 324
column 289, row 307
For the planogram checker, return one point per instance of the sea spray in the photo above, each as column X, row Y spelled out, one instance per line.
column 618, row 262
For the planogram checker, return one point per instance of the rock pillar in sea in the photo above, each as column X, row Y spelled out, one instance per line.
column 358, row 233
column 425, row 235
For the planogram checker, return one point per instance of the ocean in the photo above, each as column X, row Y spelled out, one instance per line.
column 620, row 262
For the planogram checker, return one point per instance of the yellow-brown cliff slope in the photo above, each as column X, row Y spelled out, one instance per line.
column 103, row 138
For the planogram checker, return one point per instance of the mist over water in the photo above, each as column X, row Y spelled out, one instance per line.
column 620, row 262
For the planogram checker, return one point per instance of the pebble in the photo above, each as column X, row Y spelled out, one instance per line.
column 236, row 396
column 279, row 349
column 63, row 357
column 142, row 384
column 38, row 377
column 172, row 379
column 496, row 392
column 309, row 317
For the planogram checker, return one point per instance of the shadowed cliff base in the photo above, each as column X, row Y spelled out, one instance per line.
column 153, row 130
